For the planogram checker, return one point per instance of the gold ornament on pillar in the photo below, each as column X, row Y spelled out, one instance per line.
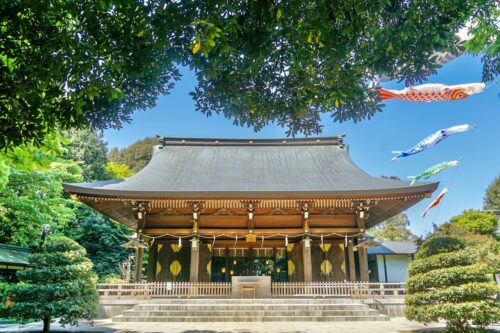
column 175, row 247
column 175, row 268
column 326, row 267
column 209, row 268
column 291, row 267
column 158, row 263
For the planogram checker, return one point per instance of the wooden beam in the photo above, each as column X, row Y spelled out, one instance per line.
column 243, row 232
column 275, row 242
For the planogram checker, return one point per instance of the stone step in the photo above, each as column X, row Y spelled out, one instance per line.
column 252, row 300
column 257, row 312
column 247, row 307
column 122, row 318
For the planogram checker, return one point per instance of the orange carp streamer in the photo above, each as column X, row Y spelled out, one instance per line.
column 433, row 92
column 435, row 202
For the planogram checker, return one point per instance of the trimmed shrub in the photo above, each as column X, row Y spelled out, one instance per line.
column 450, row 276
column 451, row 279
column 437, row 245
column 457, row 315
column 465, row 292
column 443, row 260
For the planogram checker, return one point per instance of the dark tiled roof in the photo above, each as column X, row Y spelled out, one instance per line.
column 394, row 247
column 250, row 167
column 14, row 255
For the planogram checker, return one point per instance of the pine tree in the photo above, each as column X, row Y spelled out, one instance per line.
column 60, row 284
column 88, row 148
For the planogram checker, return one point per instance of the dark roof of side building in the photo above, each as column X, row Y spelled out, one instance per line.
column 394, row 247
column 249, row 167
column 14, row 255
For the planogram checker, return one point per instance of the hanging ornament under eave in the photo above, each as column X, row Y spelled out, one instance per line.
column 433, row 92
column 433, row 170
column 435, row 202
column 133, row 243
column 432, row 140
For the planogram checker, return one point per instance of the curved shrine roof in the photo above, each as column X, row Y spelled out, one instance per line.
column 262, row 169
column 249, row 168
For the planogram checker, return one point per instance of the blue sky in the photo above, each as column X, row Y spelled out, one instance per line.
column 398, row 127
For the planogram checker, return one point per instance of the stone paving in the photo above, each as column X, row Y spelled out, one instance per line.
column 395, row 325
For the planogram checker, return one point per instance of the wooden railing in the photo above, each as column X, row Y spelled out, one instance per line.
column 148, row 290
column 337, row 289
column 164, row 289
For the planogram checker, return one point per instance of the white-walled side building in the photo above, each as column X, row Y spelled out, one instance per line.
column 388, row 262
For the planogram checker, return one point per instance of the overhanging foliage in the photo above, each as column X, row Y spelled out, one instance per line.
column 72, row 63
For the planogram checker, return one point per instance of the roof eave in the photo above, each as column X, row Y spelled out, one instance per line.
column 80, row 190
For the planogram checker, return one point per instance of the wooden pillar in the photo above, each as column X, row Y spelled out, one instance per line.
column 227, row 277
column 194, row 268
column 250, row 260
column 362, row 215
column 140, row 210
column 152, row 258
column 306, row 255
column 350, row 259
column 363, row 263
column 139, row 254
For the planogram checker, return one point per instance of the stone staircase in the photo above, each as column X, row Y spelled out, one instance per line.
column 250, row 310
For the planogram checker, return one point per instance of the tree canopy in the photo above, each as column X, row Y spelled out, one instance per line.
column 87, row 148
column 32, row 198
column 101, row 238
column 394, row 229
column 117, row 171
column 492, row 198
column 135, row 156
column 31, row 195
column 72, row 63
column 476, row 221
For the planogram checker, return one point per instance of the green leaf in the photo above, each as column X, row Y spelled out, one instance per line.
column 279, row 13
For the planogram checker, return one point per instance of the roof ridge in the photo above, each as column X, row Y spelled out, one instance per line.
column 309, row 141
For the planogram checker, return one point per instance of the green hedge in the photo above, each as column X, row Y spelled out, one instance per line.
column 445, row 277
column 440, row 244
column 455, row 294
column 479, row 313
column 443, row 260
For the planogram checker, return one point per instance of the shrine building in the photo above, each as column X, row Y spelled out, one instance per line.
column 291, row 209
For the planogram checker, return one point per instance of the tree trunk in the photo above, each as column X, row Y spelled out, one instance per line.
column 46, row 324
